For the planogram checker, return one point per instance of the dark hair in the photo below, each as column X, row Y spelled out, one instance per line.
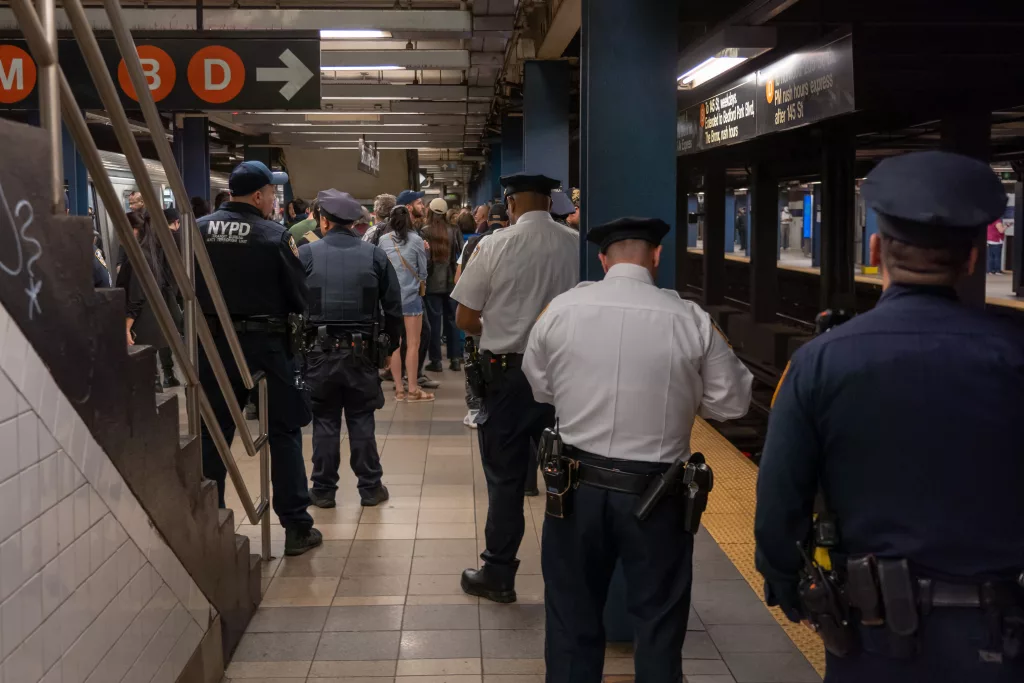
column 199, row 207
column 221, row 197
column 139, row 221
column 466, row 224
column 300, row 206
column 436, row 232
column 915, row 264
column 314, row 211
column 400, row 222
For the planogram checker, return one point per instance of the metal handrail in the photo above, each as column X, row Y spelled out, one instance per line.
column 42, row 44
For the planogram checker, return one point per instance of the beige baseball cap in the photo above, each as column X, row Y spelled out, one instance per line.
column 438, row 205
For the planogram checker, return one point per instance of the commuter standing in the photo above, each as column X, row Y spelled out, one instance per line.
column 171, row 295
column 382, row 206
column 445, row 246
column 257, row 264
column 404, row 248
column 413, row 202
column 627, row 367
column 350, row 282
column 994, row 243
column 904, row 421
column 512, row 276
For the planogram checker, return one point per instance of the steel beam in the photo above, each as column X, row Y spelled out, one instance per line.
column 369, row 131
column 386, row 91
column 379, row 137
column 224, row 19
column 563, row 27
column 410, row 59
column 456, row 145
column 338, row 118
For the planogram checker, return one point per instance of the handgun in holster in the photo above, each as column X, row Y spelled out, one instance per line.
column 692, row 479
column 493, row 371
column 824, row 605
column 474, row 373
column 559, row 475
column 383, row 350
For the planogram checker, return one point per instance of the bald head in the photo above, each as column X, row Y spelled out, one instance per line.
column 524, row 202
column 638, row 252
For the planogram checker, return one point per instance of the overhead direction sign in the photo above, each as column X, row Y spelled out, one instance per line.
column 183, row 73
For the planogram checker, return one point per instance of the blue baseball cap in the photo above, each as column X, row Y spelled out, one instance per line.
column 250, row 176
column 408, row 197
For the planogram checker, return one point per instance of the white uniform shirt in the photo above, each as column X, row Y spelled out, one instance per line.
column 514, row 274
column 628, row 366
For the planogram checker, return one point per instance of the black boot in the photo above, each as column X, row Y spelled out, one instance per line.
column 486, row 583
column 321, row 500
column 298, row 542
column 376, row 498
column 455, row 364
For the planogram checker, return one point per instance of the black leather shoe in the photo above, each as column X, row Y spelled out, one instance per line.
column 483, row 583
column 455, row 364
column 171, row 382
column 298, row 542
column 434, row 366
column 321, row 500
column 378, row 497
column 532, row 493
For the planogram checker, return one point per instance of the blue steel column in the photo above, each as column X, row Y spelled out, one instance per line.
column 546, row 119
column 192, row 146
column 692, row 206
column 511, row 144
column 495, row 171
column 76, row 178
column 629, row 54
column 730, row 222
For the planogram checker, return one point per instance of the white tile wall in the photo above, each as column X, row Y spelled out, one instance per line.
column 89, row 591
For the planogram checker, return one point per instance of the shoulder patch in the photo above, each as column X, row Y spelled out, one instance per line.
column 291, row 243
column 721, row 334
column 781, row 380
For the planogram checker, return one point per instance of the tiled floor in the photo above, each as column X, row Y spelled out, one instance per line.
column 380, row 601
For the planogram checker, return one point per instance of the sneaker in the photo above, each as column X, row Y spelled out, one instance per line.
column 470, row 419
column 434, row 366
column 378, row 497
column 171, row 382
column 321, row 500
column 298, row 542
column 427, row 383
column 455, row 364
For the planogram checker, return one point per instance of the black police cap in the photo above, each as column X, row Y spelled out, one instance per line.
column 339, row 205
column 526, row 182
column 651, row 230
column 561, row 205
column 933, row 199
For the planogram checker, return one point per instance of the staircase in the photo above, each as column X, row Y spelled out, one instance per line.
column 46, row 286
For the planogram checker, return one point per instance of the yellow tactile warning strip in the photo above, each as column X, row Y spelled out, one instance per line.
column 729, row 519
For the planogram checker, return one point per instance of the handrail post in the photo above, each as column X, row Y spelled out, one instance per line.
column 49, row 106
column 264, row 471
column 191, row 340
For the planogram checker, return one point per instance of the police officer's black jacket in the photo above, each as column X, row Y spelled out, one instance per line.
column 256, row 262
column 908, row 417
column 351, row 281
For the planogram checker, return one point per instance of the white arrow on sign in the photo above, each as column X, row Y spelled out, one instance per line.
column 294, row 73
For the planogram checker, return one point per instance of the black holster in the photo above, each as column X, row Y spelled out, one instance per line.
column 474, row 372
column 559, row 475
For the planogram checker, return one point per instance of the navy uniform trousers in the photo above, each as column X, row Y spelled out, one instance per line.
column 509, row 427
column 340, row 381
column 578, row 557
column 287, row 414
column 948, row 640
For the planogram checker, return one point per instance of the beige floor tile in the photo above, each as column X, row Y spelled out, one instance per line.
column 337, row 532
column 367, row 600
column 447, row 503
column 300, row 591
column 438, row 667
column 449, row 599
column 350, row 679
column 405, row 491
column 352, row 668
column 443, row 516
column 378, row 566
column 445, row 547
column 343, row 514
column 447, row 450
column 446, row 531
column 402, row 479
column 244, row 670
column 382, row 548
column 305, row 565
column 439, row 679
column 431, row 490
column 513, row 678
column 619, row 666
column 383, row 515
column 372, row 532
column 435, row 584
column 514, row 666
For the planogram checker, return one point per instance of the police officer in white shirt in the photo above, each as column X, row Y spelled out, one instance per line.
column 627, row 367
column 514, row 273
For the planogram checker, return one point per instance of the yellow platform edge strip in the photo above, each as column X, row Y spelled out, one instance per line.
column 729, row 519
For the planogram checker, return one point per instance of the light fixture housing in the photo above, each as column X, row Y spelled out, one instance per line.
column 353, row 34
column 722, row 51
column 379, row 67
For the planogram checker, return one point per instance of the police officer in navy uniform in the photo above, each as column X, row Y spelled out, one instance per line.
column 350, row 283
column 907, row 420
column 513, row 274
column 257, row 265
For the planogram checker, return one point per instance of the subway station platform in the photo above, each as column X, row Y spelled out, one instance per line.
column 381, row 602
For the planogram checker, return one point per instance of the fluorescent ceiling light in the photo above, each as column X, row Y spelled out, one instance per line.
column 385, row 67
column 333, row 34
column 349, row 125
column 379, row 99
column 710, row 68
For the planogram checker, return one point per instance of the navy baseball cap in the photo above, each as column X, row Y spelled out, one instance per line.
column 250, row 176
column 408, row 197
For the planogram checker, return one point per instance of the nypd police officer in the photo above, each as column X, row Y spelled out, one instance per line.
column 627, row 367
column 513, row 275
column 257, row 265
column 350, row 283
column 906, row 419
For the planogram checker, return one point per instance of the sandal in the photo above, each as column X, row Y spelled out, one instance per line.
column 419, row 396
column 400, row 395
